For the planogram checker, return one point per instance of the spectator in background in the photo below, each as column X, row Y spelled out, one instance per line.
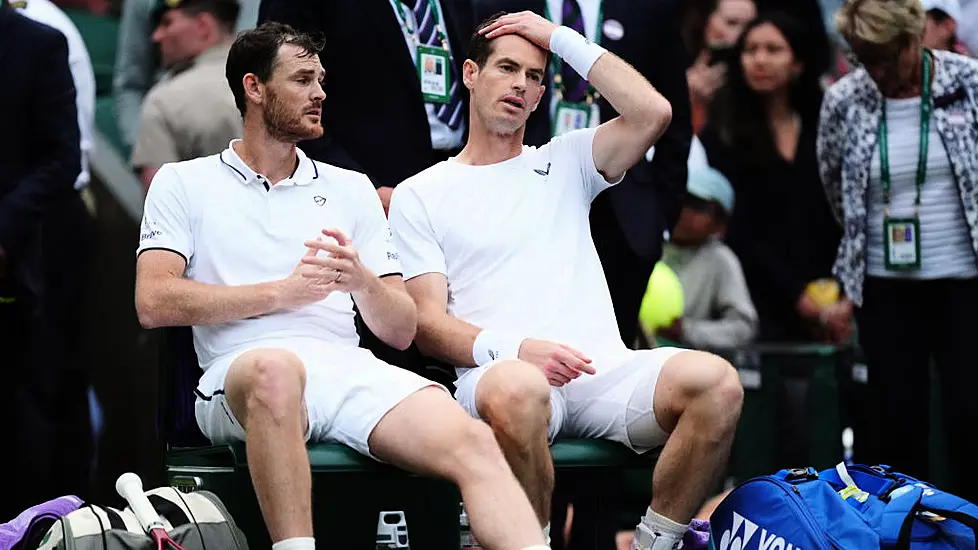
column 717, row 309
column 761, row 135
column 941, row 28
column 67, row 363
column 710, row 50
column 898, row 153
column 193, row 113
column 40, row 161
column 45, row 11
column 137, row 66
column 811, row 15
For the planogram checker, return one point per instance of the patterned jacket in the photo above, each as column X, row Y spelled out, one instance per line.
column 847, row 141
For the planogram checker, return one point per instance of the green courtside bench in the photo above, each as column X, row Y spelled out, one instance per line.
column 349, row 490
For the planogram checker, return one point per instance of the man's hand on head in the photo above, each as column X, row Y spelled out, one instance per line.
column 527, row 24
column 559, row 363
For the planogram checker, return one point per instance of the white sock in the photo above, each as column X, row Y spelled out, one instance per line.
column 297, row 543
column 546, row 533
column 657, row 532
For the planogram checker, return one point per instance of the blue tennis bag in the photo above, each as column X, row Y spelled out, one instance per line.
column 848, row 507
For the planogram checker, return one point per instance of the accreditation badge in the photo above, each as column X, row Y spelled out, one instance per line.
column 434, row 72
column 571, row 116
column 901, row 241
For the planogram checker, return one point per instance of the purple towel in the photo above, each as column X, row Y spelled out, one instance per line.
column 13, row 532
column 697, row 537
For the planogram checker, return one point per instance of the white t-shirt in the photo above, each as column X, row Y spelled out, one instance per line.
column 233, row 228
column 514, row 241
column 945, row 240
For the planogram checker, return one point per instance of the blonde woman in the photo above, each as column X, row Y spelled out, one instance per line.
column 898, row 155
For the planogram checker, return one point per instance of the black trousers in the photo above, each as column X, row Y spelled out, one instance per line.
column 903, row 326
column 48, row 439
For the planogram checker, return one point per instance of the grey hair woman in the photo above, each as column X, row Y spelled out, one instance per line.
column 898, row 156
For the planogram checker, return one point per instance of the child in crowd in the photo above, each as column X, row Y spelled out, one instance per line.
column 717, row 309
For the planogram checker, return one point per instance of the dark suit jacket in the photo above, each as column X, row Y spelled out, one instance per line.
column 648, row 201
column 373, row 114
column 39, row 149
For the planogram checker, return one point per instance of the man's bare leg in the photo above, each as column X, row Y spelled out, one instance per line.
column 428, row 432
column 513, row 397
column 264, row 389
column 697, row 398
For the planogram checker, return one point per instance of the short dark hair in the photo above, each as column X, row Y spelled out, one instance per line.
column 480, row 47
column 711, row 207
column 256, row 51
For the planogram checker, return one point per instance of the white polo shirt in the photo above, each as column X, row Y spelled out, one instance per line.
column 514, row 241
column 233, row 228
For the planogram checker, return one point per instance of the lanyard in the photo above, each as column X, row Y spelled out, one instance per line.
column 413, row 32
column 925, row 111
column 555, row 62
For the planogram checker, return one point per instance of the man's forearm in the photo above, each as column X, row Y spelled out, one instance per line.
column 389, row 313
column 446, row 338
column 182, row 302
column 632, row 96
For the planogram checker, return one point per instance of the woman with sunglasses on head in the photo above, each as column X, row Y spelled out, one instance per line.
column 898, row 154
column 761, row 135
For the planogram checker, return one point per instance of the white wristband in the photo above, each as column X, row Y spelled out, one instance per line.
column 575, row 50
column 492, row 346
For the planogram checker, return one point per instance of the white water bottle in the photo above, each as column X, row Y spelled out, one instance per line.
column 467, row 541
column 392, row 531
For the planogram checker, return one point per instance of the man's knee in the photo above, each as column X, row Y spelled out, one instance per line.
column 704, row 379
column 513, row 392
column 268, row 381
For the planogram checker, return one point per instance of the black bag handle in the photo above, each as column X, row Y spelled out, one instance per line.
column 903, row 542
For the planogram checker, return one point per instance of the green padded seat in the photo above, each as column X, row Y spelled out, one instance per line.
column 590, row 453
column 328, row 457
column 366, row 486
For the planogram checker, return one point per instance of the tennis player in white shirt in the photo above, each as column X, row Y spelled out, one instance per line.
column 264, row 252
column 497, row 253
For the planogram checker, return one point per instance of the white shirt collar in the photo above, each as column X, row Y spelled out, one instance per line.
column 305, row 173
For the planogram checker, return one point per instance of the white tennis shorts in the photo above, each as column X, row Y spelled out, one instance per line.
column 616, row 403
column 348, row 391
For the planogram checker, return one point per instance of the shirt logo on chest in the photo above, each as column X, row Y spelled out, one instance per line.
column 320, row 200
column 543, row 172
